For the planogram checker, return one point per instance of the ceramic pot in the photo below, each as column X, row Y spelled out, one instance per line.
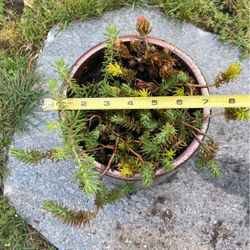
column 95, row 54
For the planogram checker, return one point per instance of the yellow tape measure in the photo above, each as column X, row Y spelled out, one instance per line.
column 153, row 102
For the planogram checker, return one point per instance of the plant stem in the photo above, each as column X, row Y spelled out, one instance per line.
column 135, row 153
column 111, row 159
column 201, row 86
column 196, row 129
column 197, row 138
column 93, row 117
column 108, row 146
column 95, row 212
column 146, row 42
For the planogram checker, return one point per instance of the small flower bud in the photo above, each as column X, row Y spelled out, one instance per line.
column 143, row 26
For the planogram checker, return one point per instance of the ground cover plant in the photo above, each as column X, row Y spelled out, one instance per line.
column 22, row 35
column 15, row 233
column 130, row 141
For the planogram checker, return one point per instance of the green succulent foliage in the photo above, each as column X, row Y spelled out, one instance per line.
column 126, row 90
column 67, row 215
column 166, row 135
column 168, row 164
column 198, row 119
column 116, row 194
column 170, row 154
column 150, row 149
column 109, row 55
column 179, row 91
column 236, row 113
column 148, row 174
column 171, row 115
column 101, row 196
column 106, row 90
column 72, row 127
column 214, row 168
column 86, row 174
column 60, row 153
column 91, row 140
column 126, row 121
column 32, row 156
column 212, row 165
column 200, row 164
column 183, row 77
column 129, row 166
column 207, row 158
column 65, row 76
column 168, row 85
column 147, row 121
column 229, row 75
column 73, row 124
column 104, row 196
column 232, row 72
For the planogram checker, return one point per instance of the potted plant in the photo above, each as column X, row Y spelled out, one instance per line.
column 130, row 146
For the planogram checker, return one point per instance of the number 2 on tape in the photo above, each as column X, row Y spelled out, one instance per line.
column 179, row 102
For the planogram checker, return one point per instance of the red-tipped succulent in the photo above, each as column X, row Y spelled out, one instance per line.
column 143, row 26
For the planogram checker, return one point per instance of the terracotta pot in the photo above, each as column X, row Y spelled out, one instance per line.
column 88, row 60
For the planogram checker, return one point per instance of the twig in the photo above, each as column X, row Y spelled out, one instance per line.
column 197, row 138
column 196, row 129
column 111, row 158
column 93, row 117
column 108, row 146
column 118, row 135
column 201, row 86
column 135, row 153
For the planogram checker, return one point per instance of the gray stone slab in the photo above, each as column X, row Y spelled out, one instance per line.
column 192, row 210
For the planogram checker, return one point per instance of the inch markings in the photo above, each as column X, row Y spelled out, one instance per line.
column 152, row 102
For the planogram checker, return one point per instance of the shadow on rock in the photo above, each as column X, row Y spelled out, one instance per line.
column 234, row 179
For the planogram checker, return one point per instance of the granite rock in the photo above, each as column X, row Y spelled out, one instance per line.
column 190, row 211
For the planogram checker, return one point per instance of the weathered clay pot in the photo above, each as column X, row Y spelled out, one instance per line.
column 88, row 60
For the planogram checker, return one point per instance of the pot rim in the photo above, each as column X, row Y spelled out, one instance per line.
column 194, row 146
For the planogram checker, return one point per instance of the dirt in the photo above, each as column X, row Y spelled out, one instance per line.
column 127, row 237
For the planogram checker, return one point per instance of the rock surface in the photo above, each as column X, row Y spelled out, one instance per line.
column 192, row 210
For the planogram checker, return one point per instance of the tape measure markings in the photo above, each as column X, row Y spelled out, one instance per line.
column 152, row 102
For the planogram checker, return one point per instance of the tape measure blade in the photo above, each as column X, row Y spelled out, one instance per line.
column 152, row 102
